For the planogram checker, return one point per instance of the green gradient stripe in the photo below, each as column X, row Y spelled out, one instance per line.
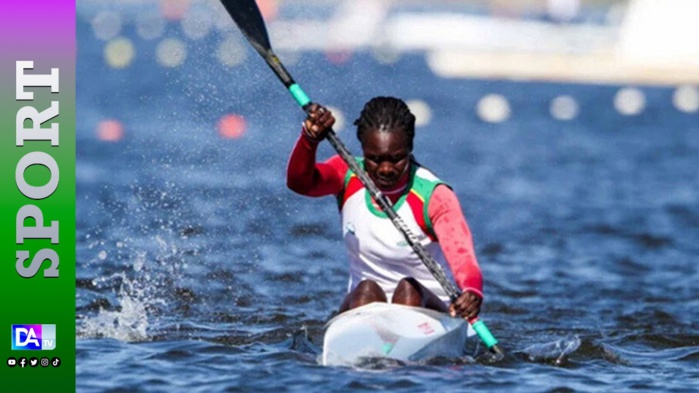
column 42, row 31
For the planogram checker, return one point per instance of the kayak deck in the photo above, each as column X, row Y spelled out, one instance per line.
column 383, row 330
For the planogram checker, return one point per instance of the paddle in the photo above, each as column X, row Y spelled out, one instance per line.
column 247, row 16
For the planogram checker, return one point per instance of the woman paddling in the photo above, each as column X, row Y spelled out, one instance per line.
column 382, row 265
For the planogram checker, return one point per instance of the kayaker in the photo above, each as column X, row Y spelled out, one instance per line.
column 382, row 265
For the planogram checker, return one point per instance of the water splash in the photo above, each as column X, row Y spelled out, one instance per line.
column 129, row 321
column 300, row 341
column 140, row 294
column 556, row 351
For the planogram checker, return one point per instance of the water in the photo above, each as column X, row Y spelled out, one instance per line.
column 198, row 271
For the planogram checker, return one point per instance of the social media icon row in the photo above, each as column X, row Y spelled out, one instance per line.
column 33, row 362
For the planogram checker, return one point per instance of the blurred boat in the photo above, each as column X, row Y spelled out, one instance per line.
column 397, row 332
column 645, row 42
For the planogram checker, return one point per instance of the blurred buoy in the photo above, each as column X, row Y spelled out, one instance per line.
column 422, row 112
column 171, row 52
column 686, row 99
column 174, row 9
column 629, row 101
column 385, row 54
column 289, row 56
column 150, row 26
column 269, row 9
column 338, row 57
column 339, row 118
column 564, row 108
column 119, row 53
column 221, row 19
column 110, row 130
column 106, row 25
column 493, row 108
column 197, row 24
column 231, row 51
column 231, row 126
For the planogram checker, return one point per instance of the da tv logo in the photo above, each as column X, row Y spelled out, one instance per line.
column 33, row 337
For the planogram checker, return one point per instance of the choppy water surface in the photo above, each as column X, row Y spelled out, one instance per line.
column 198, row 271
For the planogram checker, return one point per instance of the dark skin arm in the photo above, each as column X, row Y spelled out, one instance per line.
column 467, row 306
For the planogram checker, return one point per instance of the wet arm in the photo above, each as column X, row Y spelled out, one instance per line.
column 455, row 239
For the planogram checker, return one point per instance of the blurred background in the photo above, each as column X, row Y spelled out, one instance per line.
column 613, row 42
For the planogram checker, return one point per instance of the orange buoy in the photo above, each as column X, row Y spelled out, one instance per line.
column 110, row 130
column 269, row 9
column 173, row 9
column 232, row 126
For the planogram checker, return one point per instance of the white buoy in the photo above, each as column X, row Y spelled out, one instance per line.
column 422, row 112
column 106, row 25
column 564, row 108
column 493, row 108
column 119, row 53
column 197, row 24
column 686, row 99
column 629, row 101
column 339, row 118
column 171, row 52
column 231, row 51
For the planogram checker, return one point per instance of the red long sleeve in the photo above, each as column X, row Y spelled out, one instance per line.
column 307, row 177
column 455, row 239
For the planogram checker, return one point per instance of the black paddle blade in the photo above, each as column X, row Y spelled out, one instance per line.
column 247, row 16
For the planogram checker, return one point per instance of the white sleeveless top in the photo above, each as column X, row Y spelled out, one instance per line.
column 377, row 250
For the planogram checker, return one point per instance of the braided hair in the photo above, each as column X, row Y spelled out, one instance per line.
column 386, row 114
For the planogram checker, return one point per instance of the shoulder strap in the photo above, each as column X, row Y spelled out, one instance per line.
column 422, row 187
column 352, row 184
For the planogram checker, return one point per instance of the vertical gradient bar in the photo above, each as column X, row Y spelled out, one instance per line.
column 42, row 31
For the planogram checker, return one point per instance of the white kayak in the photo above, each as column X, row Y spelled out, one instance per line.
column 383, row 330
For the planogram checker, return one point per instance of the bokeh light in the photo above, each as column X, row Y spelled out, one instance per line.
column 106, row 25
column 493, row 108
column 197, row 24
column 385, row 54
column 338, row 57
column 171, row 52
column 629, row 101
column 119, row 53
column 231, row 126
column 339, row 118
column 686, row 99
column 422, row 112
column 231, row 51
column 564, row 108
column 174, row 9
column 110, row 130
column 269, row 9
